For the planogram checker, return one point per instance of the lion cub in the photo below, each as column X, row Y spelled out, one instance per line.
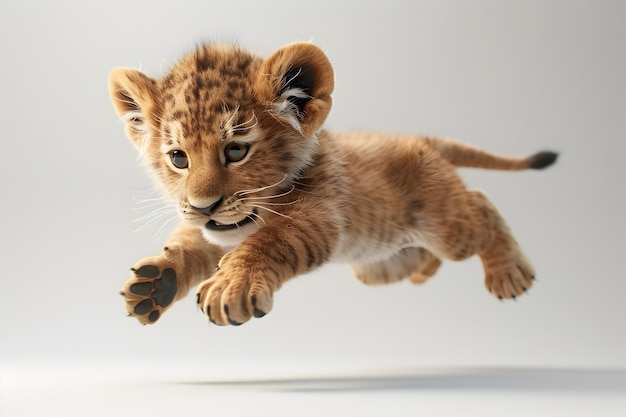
column 266, row 194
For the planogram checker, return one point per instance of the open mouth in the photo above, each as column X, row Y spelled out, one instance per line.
column 215, row 225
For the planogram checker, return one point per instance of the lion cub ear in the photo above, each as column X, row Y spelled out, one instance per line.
column 296, row 82
column 134, row 97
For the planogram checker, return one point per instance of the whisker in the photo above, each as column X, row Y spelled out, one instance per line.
column 268, row 203
column 154, row 213
column 229, row 122
column 145, row 205
column 225, row 107
column 153, row 217
column 271, row 211
column 253, row 215
column 137, row 200
column 311, row 192
column 158, row 234
column 242, row 126
column 152, row 222
column 257, row 190
column 268, row 197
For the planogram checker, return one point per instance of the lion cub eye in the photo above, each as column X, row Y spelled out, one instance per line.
column 179, row 159
column 235, row 151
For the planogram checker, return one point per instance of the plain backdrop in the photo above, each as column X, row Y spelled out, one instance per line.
column 511, row 76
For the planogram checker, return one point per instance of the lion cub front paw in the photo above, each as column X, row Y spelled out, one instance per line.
column 150, row 291
column 230, row 299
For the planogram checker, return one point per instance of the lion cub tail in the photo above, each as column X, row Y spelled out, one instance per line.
column 461, row 154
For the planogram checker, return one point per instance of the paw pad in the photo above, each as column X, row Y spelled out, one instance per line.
column 143, row 307
column 141, row 288
column 154, row 291
column 165, row 288
column 147, row 271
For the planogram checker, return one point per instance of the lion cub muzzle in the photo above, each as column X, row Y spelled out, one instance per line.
column 204, row 208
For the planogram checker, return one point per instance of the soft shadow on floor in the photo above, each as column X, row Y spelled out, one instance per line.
column 486, row 379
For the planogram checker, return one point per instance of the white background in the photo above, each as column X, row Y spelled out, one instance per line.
column 510, row 76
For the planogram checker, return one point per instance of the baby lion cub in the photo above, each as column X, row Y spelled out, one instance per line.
column 266, row 194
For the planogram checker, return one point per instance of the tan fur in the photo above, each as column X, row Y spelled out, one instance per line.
column 391, row 206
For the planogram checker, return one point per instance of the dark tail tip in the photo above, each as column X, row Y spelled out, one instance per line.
column 542, row 160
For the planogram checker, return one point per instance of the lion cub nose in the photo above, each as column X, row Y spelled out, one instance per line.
column 205, row 206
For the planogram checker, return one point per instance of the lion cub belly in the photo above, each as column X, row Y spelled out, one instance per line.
column 361, row 249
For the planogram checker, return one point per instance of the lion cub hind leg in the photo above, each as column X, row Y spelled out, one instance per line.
column 416, row 264
column 428, row 267
column 480, row 229
column 457, row 223
column 508, row 273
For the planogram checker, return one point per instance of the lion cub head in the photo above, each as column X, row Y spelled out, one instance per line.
column 225, row 132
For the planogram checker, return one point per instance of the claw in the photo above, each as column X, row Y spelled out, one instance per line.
column 257, row 312
column 232, row 322
column 208, row 314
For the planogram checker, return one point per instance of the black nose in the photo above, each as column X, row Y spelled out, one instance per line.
column 208, row 210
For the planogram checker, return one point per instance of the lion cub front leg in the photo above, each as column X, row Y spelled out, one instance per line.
column 160, row 280
column 248, row 276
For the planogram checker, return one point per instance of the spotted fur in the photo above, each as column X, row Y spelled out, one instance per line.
column 266, row 194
